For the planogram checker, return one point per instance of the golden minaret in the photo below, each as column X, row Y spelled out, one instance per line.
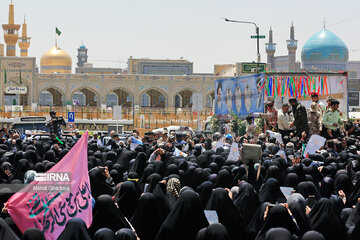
column 11, row 33
column 24, row 41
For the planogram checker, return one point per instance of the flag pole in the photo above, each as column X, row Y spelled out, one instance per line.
column 55, row 38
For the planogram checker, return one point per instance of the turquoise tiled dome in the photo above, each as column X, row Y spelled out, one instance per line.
column 324, row 47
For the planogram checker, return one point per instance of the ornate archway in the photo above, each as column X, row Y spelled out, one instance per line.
column 153, row 98
column 119, row 96
column 51, row 97
column 85, row 97
column 183, row 99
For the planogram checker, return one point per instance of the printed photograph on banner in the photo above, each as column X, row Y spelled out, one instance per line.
column 240, row 95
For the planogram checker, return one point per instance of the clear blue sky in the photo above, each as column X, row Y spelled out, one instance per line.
column 193, row 29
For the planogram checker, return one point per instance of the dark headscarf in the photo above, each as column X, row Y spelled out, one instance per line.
column 50, row 155
column 125, row 158
column 109, row 164
column 277, row 216
column 224, row 179
column 246, row 201
column 125, row 234
column 48, row 166
column 343, row 182
column 4, row 178
column 104, row 234
column 160, row 168
column 327, row 187
column 204, row 190
column 116, row 176
column 270, row 192
column 98, row 184
column 127, row 198
column 75, row 229
column 33, row 234
column 40, row 149
column 6, row 232
column 162, row 198
column 197, row 177
column 297, row 206
column 140, row 164
column 62, row 153
column 111, row 155
column 215, row 231
column 226, row 211
column 172, row 169
column 325, row 219
column 313, row 235
column 146, row 173
column 39, row 167
column 354, row 195
column 278, row 234
column 291, row 180
column 308, row 188
column 21, row 168
column 186, row 213
column 32, row 156
column 353, row 223
column 153, row 180
column 147, row 218
column 106, row 214
column 274, row 172
column 203, row 161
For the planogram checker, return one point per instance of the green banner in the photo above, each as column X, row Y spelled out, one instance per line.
column 251, row 67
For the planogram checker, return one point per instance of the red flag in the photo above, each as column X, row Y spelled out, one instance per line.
column 49, row 210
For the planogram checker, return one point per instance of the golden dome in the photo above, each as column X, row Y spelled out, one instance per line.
column 55, row 60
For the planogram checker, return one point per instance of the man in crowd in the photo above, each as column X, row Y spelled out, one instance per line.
column 300, row 118
column 328, row 101
column 55, row 124
column 77, row 134
column 164, row 138
column 271, row 114
column 98, row 140
column 332, row 120
column 285, row 121
column 319, row 105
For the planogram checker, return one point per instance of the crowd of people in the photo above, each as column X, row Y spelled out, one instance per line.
column 179, row 185
column 293, row 119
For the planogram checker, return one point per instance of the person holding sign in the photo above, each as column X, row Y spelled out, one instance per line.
column 332, row 120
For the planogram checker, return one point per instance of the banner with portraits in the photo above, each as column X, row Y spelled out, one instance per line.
column 245, row 95
column 239, row 95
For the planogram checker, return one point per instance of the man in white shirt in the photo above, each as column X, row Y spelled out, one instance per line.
column 98, row 141
column 285, row 122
